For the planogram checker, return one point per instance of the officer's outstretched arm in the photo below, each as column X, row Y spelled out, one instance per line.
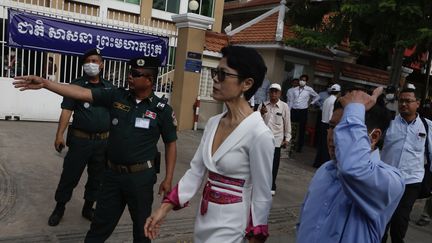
column 72, row 91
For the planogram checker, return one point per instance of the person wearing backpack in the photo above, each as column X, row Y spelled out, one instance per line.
column 407, row 141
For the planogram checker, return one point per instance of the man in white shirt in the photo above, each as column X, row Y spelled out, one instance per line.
column 327, row 112
column 276, row 115
column 298, row 99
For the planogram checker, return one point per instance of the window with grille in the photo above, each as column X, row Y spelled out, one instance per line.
column 171, row 6
column 206, row 83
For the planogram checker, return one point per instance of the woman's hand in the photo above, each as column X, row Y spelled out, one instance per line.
column 154, row 222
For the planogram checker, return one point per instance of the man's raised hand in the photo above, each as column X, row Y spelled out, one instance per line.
column 28, row 82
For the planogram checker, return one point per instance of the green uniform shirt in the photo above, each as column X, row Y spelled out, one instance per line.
column 135, row 127
column 86, row 117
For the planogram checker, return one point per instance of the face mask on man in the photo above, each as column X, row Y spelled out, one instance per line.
column 91, row 69
column 302, row 83
column 389, row 96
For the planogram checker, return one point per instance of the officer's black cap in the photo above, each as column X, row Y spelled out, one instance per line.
column 90, row 52
column 145, row 62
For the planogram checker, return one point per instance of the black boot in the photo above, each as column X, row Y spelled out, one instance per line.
column 57, row 214
column 87, row 210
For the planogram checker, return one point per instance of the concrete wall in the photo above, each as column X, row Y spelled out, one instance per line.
column 275, row 65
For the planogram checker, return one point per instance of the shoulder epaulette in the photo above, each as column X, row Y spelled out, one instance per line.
column 161, row 104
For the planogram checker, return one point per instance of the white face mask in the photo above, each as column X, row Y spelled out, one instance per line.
column 389, row 96
column 91, row 69
column 302, row 83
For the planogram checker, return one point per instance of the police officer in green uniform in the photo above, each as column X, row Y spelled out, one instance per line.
column 138, row 119
column 87, row 140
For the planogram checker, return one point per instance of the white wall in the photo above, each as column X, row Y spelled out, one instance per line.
column 40, row 105
column 33, row 105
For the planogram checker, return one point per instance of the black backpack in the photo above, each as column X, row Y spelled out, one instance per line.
column 426, row 184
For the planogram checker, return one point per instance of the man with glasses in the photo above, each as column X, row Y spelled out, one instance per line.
column 404, row 148
column 87, row 140
column 138, row 119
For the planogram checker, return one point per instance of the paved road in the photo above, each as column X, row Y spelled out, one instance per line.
column 30, row 170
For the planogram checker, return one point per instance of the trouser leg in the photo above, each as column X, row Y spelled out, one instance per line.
column 276, row 161
column 139, row 197
column 109, row 208
column 95, row 170
column 302, row 128
column 322, row 150
column 73, row 167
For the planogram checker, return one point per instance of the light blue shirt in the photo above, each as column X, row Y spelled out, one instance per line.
column 261, row 95
column 353, row 199
column 404, row 147
column 323, row 96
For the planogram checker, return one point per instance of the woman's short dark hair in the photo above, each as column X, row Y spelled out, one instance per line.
column 248, row 63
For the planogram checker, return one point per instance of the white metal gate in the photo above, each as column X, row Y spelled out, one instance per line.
column 64, row 68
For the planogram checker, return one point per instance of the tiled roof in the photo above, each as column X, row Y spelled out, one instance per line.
column 355, row 71
column 215, row 41
column 262, row 32
column 246, row 4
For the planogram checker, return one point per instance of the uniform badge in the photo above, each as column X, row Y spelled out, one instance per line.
column 86, row 105
column 121, row 106
column 114, row 121
column 174, row 119
column 150, row 114
column 140, row 62
column 160, row 105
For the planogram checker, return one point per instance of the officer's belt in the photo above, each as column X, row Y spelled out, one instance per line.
column 94, row 136
column 133, row 168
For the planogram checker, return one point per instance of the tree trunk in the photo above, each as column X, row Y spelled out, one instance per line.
column 396, row 67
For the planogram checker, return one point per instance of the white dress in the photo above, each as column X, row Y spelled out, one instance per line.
column 245, row 156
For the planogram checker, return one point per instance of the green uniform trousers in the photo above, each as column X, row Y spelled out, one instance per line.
column 82, row 152
column 118, row 190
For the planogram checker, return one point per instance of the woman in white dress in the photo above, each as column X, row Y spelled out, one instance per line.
column 234, row 157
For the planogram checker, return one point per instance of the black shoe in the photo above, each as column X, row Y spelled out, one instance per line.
column 88, row 213
column 56, row 215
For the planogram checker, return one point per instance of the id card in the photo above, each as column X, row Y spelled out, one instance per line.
column 142, row 122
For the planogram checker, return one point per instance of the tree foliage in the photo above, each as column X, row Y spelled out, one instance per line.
column 369, row 25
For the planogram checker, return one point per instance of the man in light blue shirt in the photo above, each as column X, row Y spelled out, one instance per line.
column 404, row 148
column 352, row 197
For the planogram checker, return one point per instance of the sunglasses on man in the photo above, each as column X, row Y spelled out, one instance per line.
column 136, row 74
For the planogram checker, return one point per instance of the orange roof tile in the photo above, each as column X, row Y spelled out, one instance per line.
column 246, row 4
column 262, row 32
column 215, row 41
column 355, row 71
